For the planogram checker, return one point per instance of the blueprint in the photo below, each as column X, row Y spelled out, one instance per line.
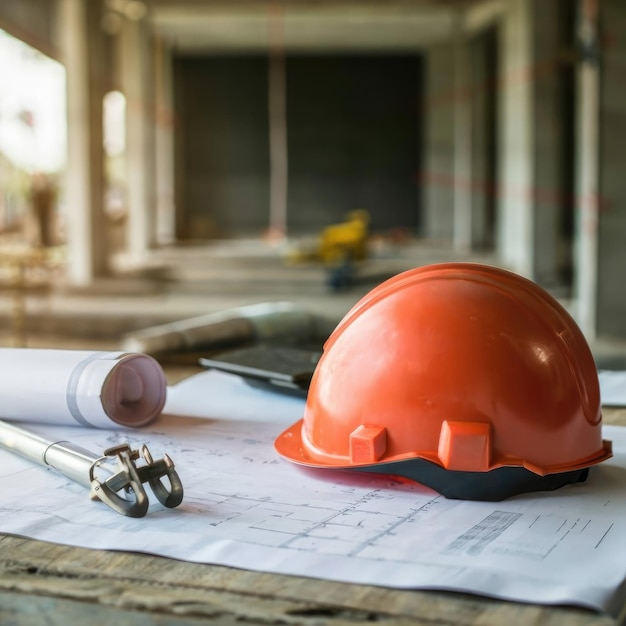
column 246, row 507
column 101, row 389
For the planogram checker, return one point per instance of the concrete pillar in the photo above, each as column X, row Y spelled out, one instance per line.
column 601, row 253
column 483, row 136
column 456, row 178
column 462, row 238
column 84, row 57
column 587, row 171
column 548, row 196
column 277, row 110
column 515, row 244
column 437, row 177
column 164, row 145
column 137, row 85
column 531, row 193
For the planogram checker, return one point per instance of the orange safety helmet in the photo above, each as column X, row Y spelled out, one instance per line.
column 467, row 378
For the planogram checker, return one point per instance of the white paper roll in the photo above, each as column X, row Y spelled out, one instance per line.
column 80, row 387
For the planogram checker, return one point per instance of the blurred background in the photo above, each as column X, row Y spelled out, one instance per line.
column 161, row 159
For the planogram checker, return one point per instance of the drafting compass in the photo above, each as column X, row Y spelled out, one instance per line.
column 116, row 478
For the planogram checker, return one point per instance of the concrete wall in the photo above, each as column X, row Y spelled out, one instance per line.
column 353, row 137
column 354, row 131
column 222, row 165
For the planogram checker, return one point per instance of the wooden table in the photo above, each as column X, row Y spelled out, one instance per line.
column 56, row 585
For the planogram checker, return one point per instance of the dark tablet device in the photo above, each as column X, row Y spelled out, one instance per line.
column 281, row 369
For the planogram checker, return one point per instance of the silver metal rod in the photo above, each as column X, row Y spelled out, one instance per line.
column 67, row 458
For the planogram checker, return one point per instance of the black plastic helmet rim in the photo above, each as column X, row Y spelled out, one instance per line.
column 493, row 486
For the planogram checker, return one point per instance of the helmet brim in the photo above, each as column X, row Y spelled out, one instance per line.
column 493, row 486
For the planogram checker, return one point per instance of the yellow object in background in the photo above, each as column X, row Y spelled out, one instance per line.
column 346, row 240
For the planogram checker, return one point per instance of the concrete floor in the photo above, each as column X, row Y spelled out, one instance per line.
column 186, row 281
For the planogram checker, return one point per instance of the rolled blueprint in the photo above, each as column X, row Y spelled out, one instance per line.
column 80, row 387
